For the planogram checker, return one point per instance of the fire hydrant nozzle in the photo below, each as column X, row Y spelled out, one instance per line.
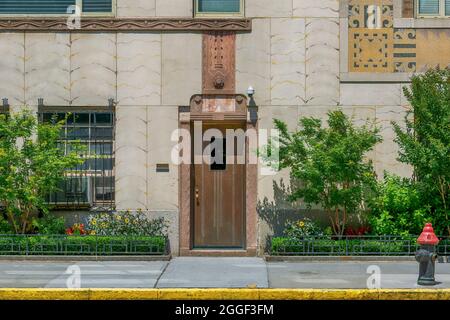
column 426, row 256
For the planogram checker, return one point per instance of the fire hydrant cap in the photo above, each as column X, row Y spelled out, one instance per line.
column 427, row 237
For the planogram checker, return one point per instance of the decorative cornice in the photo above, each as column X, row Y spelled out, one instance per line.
column 124, row 25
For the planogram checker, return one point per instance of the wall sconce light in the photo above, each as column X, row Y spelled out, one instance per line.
column 40, row 102
column 5, row 102
column 250, row 91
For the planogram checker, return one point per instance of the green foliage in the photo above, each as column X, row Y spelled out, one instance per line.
column 397, row 208
column 289, row 246
column 50, row 224
column 5, row 227
column 81, row 245
column 329, row 162
column 31, row 166
column 302, row 228
column 425, row 142
column 126, row 224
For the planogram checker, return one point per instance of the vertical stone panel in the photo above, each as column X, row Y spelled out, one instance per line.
column 287, row 61
column 322, row 61
column 386, row 153
column 181, row 67
column 268, row 8
column 131, row 158
column 47, row 68
column 136, row 8
column 139, row 69
column 12, row 51
column 93, row 68
column 253, row 61
column 174, row 8
column 316, row 8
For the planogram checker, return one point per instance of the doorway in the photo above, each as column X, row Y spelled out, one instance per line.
column 219, row 195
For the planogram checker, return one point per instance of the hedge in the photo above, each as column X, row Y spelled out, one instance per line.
column 351, row 246
column 81, row 245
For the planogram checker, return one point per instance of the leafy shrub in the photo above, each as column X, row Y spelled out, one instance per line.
column 350, row 246
column 302, row 228
column 329, row 162
column 5, row 227
column 397, row 208
column 49, row 224
column 126, row 224
column 81, row 245
column 425, row 142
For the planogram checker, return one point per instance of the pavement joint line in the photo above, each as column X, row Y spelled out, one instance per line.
column 161, row 274
column 223, row 294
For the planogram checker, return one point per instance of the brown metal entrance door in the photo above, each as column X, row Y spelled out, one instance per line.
column 219, row 196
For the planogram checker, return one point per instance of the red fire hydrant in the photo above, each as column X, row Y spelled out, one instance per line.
column 426, row 256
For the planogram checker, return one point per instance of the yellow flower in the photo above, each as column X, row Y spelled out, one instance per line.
column 301, row 224
column 127, row 220
column 92, row 232
column 94, row 222
column 118, row 217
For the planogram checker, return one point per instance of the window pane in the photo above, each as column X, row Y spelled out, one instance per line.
column 103, row 118
column 447, row 7
column 219, row 6
column 97, row 6
column 35, row 6
column 429, row 7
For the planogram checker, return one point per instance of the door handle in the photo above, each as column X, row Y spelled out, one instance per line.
column 197, row 196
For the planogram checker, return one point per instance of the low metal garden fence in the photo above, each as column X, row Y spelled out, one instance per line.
column 351, row 246
column 82, row 245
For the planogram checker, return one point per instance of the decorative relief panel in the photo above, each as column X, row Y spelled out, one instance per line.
column 370, row 50
column 374, row 44
column 404, row 50
column 219, row 63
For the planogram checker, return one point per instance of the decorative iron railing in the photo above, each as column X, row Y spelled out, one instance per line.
column 82, row 245
column 386, row 245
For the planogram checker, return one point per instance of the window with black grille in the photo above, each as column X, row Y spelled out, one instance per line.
column 90, row 184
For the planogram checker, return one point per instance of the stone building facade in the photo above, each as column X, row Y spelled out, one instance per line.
column 302, row 57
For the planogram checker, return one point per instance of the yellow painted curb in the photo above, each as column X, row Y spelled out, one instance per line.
column 223, row 294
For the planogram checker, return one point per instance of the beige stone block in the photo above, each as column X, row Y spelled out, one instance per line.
column 268, row 8
column 266, row 114
column 162, row 186
column 316, row 8
column 138, row 69
column 253, row 61
column 47, row 68
column 386, row 153
column 12, row 51
column 181, row 67
column 131, row 158
column 322, row 61
column 287, row 61
column 174, row 8
column 375, row 94
column 93, row 68
column 136, row 8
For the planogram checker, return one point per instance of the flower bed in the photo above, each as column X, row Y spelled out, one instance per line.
column 350, row 246
column 82, row 245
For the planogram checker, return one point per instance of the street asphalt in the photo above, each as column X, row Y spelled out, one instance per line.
column 199, row 272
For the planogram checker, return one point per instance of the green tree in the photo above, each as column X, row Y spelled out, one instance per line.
column 329, row 163
column 425, row 142
column 31, row 166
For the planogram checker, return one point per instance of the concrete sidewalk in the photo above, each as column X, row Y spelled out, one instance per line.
column 197, row 272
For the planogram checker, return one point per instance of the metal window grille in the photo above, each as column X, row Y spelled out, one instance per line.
column 89, row 185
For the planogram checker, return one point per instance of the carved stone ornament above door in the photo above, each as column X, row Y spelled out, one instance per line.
column 219, row 62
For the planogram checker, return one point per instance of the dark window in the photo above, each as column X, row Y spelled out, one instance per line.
column 90, row 184
column 52, row 6
column 219, row 153
column 219, row 6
